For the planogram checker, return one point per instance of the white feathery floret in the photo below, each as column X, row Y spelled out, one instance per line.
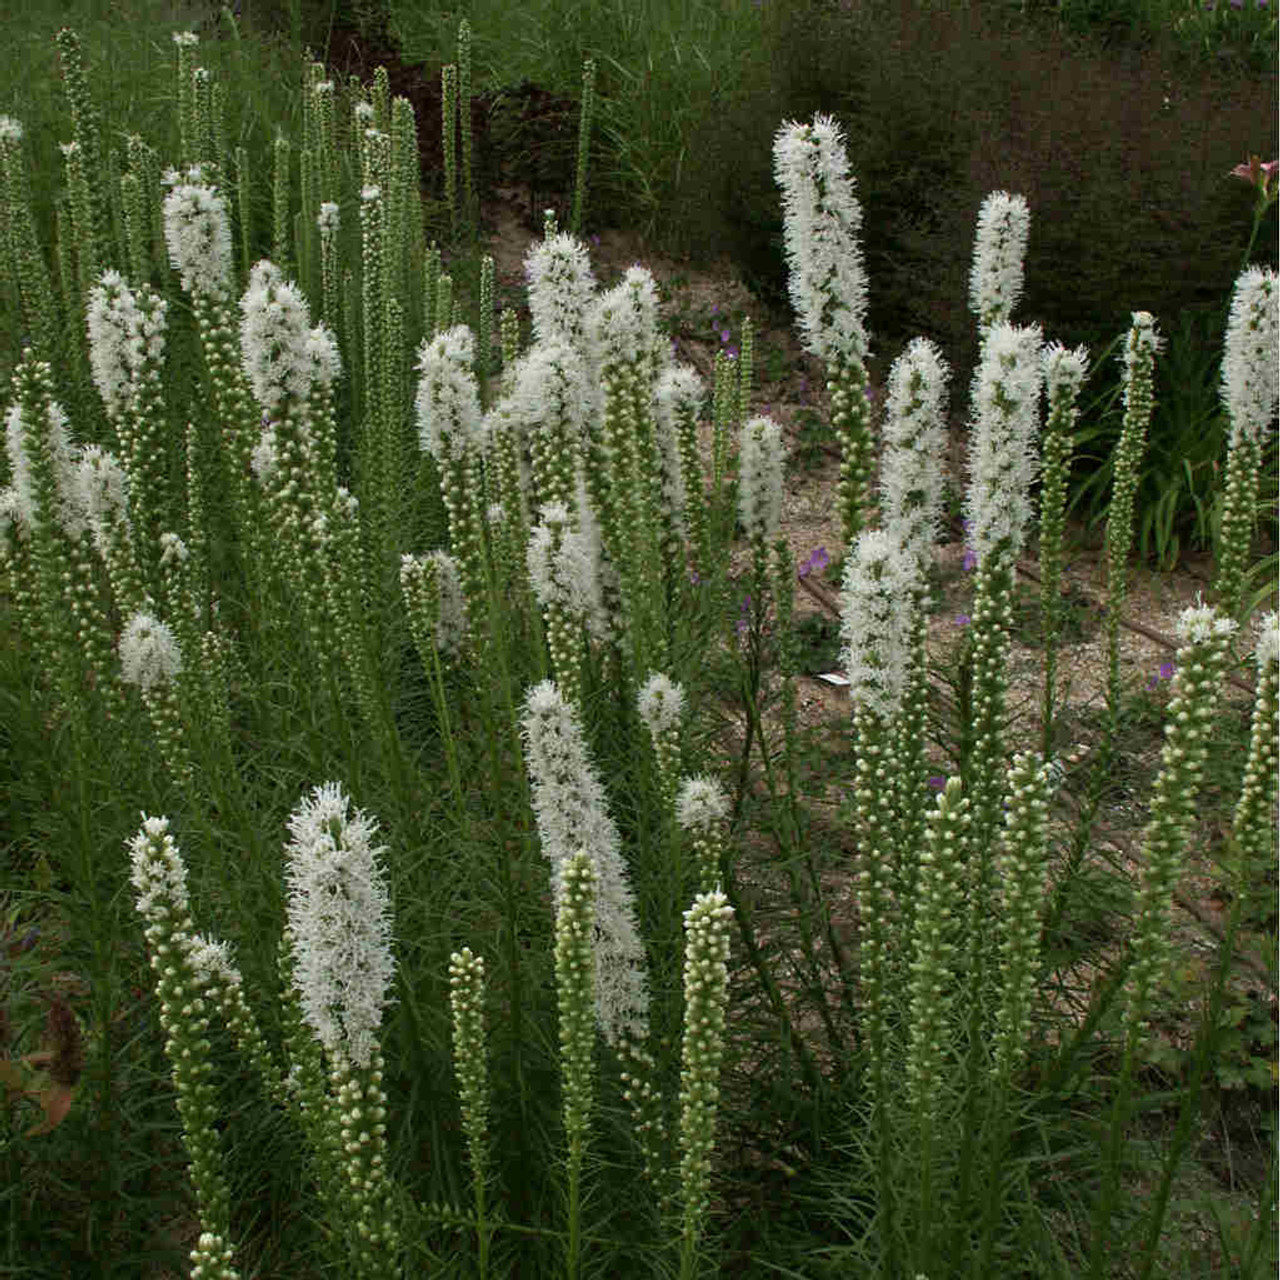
column 914, row 445
column 275, row 330
column 550, row 387
column 104, row 492
column 328, row 219
column 995, row 280
column 679, row 391
column 561, row 287
column 325, row 360
column 1142, row 346
column 661, row 703
column 10, row 130
column 448, row 399
column 264, row 461
column 761, row 459
column 198, row 233
column 1201, row 622
column 185, row 38
column 1064, row 370
column 69, row 510
column 339, row 915
column 451, row 625
column 214, row 962
column 1251, row 355
column 1003, row 459
column 158, row 873
column 572, row 814
column 701, row 803
column 12, row 524
column 821, row 222
column 876, row 617
column 149, row 653
column 173, row 551
column 1268, row 647
column 623, row 323
column 111, row 320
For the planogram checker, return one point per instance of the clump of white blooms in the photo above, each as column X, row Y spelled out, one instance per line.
column 149, row 654
column 914, row 445
column 198, row 233
column 551, row 389
column 213, row 962
column 158, row 872
column 339, row 916
column 451, row 625
column 571, row 810
column 112, row 315
column 1143, row 346
column 275, row 330
column 328, row 219
column 821, row 221
column 265, row 458
column 70, row 510
column 561, row 286
column 623, row 323
column 1250, row 366
column 880, row 581
column 995, row 282
column 1064, row 370
column 1003, row 461
column 10, row 130
column 1201, row 622
column 760, row 468
column 661, row 703
column 1268, row 650
column 104, row 491
column 324, row 360
column 702, row 803
column 448, row 400
column 562, row 571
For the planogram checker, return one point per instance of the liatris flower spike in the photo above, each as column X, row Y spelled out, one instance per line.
column 702, row 810
column 571, row 810
column 159, row 878
column 760, row 466
column 706, row 988
column 340, row 917
column 661, row 703
column 995, row 284
column 1250, row 392
column 915, row 443
column 821, row 222
column 876, row 618
column 339, row 920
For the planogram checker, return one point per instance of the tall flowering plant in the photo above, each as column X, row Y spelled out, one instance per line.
column 827, row 281
column 1250, row 392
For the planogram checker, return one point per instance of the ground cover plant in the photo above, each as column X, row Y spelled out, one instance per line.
column 404, row 774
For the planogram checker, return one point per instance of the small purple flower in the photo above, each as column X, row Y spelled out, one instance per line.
column 715, row 308
column 1166, row 670
column 724, row 335
column 938, row 783
column 817, row 561
column 970, row 559
column 963, row 619
column 595, row 240
column 733, row 353
column 694, row 578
